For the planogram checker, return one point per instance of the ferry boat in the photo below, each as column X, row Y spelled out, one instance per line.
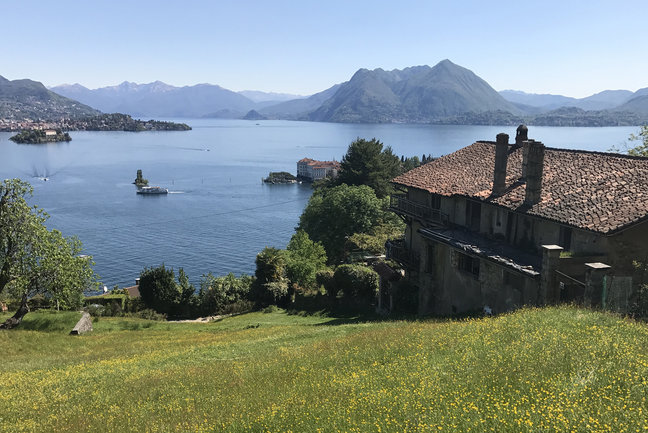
column 152, row 190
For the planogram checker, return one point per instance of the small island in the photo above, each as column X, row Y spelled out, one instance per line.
column 280, row 177
column 39, row 136
column 139, row 180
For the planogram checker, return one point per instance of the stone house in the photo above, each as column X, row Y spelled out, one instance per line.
column 497, row 225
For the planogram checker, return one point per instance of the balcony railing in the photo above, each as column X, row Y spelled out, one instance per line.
column 426, row 214
column 396, row 250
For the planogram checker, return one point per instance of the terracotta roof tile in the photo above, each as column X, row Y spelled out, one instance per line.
column 598, row 191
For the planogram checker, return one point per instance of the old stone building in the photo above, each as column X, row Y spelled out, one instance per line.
column 501, row 225
column 311, row 170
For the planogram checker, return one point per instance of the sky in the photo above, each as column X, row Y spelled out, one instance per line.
column 569, row 47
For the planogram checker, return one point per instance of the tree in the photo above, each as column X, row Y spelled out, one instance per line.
column 334, row 214
column 34, row 260
column 159, row 291
column 640, row 149
column 271, row 284
column 139, row 180
column 356, row 281
column 217, row 293
column 367, row 163
column 374, row 241
column 304, row 259
column 408, row 164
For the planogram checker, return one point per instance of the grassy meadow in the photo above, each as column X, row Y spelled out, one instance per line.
column 535, row 370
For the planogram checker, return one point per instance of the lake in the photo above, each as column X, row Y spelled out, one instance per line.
column 219, row 214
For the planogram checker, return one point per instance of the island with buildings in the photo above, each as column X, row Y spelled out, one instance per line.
column 40, row 136
column 310, row 170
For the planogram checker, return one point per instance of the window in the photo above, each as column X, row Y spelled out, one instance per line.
column 468, row 264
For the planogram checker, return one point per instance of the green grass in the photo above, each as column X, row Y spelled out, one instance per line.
column 557, row 369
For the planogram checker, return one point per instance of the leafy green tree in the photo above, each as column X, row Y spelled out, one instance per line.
column 304, row 259
column 374, row 241
column 356, row 281
column 367, row 163
column 334, row 214
column 217, row 293
column 271, row 284
column 642, row 148
column 160, row 292
column 410, row 163
column 34, row 260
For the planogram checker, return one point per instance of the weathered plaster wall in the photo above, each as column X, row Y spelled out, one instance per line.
column 446, row 290
column 629, row 245
column 588, row 243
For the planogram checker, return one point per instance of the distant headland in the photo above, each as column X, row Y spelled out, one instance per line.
column 100, row 122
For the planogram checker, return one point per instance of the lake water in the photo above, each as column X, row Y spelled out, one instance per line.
column 218, row 215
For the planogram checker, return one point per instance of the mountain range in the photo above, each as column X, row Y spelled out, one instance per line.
column 444, row 93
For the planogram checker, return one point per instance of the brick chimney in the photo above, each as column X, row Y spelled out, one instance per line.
column 532, row 165
column 501, row 158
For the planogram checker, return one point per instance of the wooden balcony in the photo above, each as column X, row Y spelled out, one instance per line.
column 397, row 251
column 425, row 214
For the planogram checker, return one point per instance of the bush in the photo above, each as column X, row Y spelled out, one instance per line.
column 149, row 314
column 324, row 279
column 220, row 294
column 639, row 302
column 356, row 281
column 106, row 300
column 239, row 307
column 160, row 291
column 39, row 302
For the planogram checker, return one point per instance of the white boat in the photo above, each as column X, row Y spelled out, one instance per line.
column 152, row 190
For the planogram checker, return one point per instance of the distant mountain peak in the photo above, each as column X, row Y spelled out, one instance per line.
column 416, row 94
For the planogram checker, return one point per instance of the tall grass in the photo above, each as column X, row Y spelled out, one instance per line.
column 558, row 369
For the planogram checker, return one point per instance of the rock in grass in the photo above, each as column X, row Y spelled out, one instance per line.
column 83, row 325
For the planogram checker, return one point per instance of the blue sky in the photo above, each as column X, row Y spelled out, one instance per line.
column 574, row 48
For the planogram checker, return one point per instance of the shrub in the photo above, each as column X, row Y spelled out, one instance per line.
column 324, row 279
column 356, row 281
column 218, row 294
column 160, row 291
column 149, row 314
column 107, row 300
column 238, row 307
column 639, row 302
column 39, row 302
